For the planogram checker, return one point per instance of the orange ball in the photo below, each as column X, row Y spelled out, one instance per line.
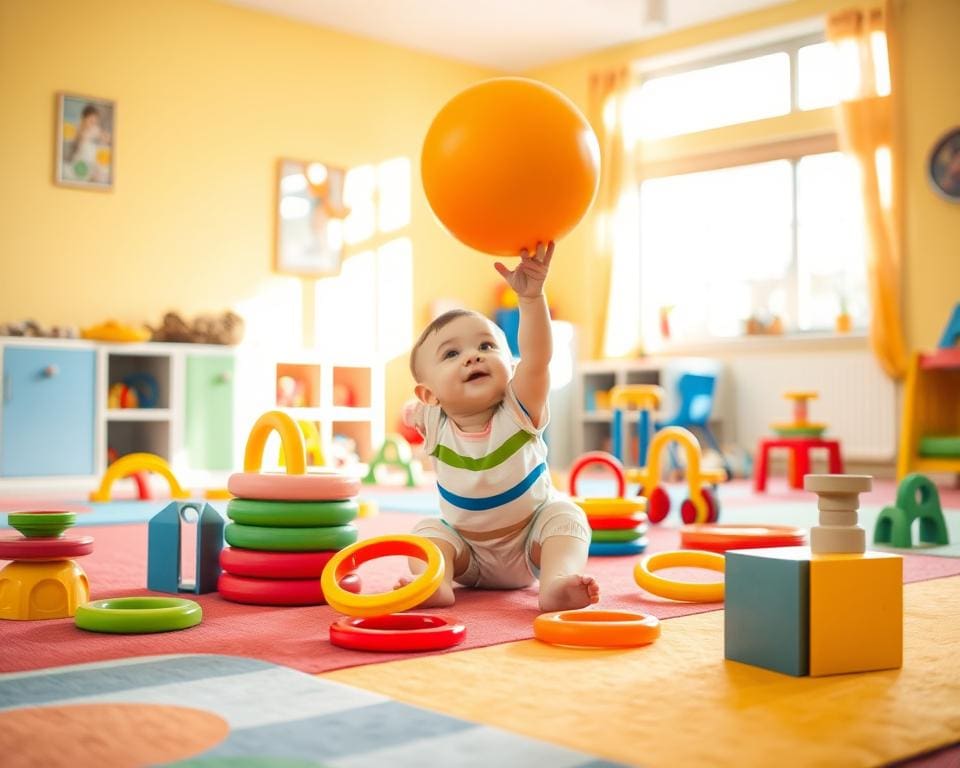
column 508, row 163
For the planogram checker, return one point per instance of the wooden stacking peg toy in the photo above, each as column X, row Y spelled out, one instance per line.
column 838, row 503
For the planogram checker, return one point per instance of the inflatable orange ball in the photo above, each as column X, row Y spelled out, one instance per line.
column 508, row 163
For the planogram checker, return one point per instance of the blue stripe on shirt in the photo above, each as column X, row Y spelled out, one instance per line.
column 489, row 502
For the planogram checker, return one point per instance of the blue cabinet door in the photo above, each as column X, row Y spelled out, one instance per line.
column 48, row 412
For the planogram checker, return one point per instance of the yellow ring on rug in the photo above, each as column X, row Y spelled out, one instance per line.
column 611, row 507
column 684, row 591
column 596, row 629
column 352, row 557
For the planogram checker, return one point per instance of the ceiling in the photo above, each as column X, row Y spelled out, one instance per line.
column 507, row 35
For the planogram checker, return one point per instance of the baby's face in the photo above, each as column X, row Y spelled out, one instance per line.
column 465, row 365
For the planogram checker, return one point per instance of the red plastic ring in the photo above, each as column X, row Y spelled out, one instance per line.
column 398, row 632
column 599, row 457
column 242, row 589
column 720, row 537
column 274, row 565
column 617, row 523
column 60, row 548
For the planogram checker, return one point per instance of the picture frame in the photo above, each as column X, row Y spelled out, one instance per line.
column 85, row 142
column 943, row 165
column 310, row 216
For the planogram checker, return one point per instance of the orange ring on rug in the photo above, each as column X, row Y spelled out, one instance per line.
column 596, row 629
column 684, row 591
column 275, row 486
column 398, row 632
column 352, row 557
column 719, row 537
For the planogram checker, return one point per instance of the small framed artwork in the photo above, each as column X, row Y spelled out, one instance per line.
column 943, row 167
column 86, row 142
column 310, row 218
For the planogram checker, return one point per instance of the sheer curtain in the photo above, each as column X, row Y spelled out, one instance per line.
column 616, row 214
column 868, row 133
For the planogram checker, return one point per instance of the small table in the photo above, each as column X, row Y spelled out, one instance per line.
column 800, row 458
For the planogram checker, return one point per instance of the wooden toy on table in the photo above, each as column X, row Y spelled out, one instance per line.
column 830, row 608
column 799, row 437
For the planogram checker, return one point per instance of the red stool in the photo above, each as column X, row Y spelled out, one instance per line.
column 800, row 458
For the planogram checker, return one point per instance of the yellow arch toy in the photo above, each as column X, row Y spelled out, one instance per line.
column 311, row 444
column 291, row 440
column 649, row 476
column 137, row 462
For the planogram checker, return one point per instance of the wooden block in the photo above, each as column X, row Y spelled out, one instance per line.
column 766, row 616
column 856, row 612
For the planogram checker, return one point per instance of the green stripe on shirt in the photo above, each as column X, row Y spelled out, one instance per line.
column 509, row 447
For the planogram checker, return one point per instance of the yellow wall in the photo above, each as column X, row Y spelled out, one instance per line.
column 208, row 97
column 930, row 105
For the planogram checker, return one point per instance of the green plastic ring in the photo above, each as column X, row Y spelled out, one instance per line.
column 41, row 524
column 291, row 514
column 290, row 539
column 618, row 535
column 138, row 615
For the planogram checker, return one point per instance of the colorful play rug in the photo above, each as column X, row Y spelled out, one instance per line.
column 219, row 711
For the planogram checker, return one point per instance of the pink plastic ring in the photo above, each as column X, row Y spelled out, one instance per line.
column 60, row 548
column 242, row 589
column 397, row 632
column 261, row 564
column 276, row 486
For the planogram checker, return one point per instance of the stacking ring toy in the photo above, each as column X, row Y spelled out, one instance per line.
column 618, row 535
column 59, row 548
column 617, row 548
column 243, row 589
column 274, row 565
column 379, row 604
column 398, row 632
column 292, row 514
column 611, row 507
column 681, row 590
column 289, row 539
column 37, row 524
column 138, row 615
column 596, row 629
column 617, row 522
column 719, row 537
column 598, row 457
column 296, row 484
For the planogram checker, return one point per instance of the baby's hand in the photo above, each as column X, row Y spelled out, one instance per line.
column 528, row 278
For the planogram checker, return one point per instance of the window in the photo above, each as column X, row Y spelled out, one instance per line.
column 733, row 227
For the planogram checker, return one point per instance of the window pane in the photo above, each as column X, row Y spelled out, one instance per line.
column 716, row 246
column 818, row 67
column 395, row 288
column 750, row 89
column 394, row 182
column 831, row 255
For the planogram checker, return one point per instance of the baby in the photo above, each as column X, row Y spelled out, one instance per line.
column 503, row 526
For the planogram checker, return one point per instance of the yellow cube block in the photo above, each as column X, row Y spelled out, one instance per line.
column 856, row 612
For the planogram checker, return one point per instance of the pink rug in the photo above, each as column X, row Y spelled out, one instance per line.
column 298, row 637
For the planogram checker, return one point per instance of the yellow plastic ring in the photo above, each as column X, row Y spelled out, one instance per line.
column 611, row 507
column 352, row 557
column 684, row 591
column 596, row 628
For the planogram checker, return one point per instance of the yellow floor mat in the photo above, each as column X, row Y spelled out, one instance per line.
column 678, row 703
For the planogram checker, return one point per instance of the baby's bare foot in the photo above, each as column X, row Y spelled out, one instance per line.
column 439, row 599
column 565, row 593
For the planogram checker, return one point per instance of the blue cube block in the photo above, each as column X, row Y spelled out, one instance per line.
column 767, row 608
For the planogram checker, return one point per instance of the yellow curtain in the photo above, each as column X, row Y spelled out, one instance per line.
column 615, row 262
column 868, row 132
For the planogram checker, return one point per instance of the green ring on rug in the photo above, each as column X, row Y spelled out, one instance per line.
column 292, row 514
column 615, row 535
column 138, row 615
column 289, row 539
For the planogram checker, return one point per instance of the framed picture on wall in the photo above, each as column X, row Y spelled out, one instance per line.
column 310, row 218
column 86, row 142
column 944, row 165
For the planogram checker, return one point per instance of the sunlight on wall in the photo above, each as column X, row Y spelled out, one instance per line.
column 275, row 314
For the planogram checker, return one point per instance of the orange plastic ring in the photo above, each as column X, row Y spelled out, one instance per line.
column 596, row 629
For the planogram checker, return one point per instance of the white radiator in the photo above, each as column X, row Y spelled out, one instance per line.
column 857, row 400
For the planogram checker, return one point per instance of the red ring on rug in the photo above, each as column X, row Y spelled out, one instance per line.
column 397, row 632
column 599, row 457
column 276, row 486
column 60, row 548
column 261, row 564
column 242, row 589
column 719, row 537
column 605, row 523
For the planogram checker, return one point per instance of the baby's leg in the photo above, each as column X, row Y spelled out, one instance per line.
column 444, row 595
column 563, row 534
